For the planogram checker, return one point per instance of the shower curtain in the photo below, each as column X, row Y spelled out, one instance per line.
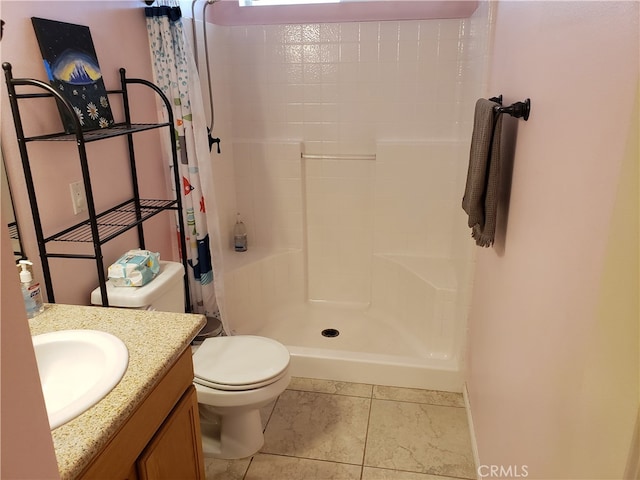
column 175, row 73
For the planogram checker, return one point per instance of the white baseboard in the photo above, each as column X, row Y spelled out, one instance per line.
column 472, row 432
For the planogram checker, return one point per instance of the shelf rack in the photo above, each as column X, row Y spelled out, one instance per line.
column 106, row 225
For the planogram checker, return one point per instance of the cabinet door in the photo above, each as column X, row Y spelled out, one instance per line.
column 176, row 449
column 133, row 474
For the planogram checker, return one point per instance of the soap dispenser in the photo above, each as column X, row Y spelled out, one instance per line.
column 239, row 235
column 30, row 291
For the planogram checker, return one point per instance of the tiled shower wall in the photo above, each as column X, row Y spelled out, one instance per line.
column 268, row 179
column 401, row 90
column 342, row 87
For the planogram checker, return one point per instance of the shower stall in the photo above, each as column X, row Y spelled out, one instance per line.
column 345, row 149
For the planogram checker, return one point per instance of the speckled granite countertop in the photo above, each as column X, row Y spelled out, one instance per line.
column 155, row 341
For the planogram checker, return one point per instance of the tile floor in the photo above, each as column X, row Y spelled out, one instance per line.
column 320, row 429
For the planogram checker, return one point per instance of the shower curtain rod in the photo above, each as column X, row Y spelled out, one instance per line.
column 206, row 57
column 310, row 156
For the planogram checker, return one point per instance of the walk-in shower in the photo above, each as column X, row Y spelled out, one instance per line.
column 356, row 295
column 346, row 150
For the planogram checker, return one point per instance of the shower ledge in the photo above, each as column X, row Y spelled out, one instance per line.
column 236, row 260
column 438, row 272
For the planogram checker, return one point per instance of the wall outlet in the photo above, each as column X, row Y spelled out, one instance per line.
column 78, row 197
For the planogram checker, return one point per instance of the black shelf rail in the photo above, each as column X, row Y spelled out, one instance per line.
column 113, row 222
column 115, row 130
column 101, row 227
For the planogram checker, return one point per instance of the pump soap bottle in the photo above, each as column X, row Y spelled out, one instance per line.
column 239, row 235
column 30, row 291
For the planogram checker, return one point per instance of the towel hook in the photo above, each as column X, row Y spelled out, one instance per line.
column 516, row 110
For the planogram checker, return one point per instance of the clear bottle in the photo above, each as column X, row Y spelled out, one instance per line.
column 31, row 293
column 239, row 235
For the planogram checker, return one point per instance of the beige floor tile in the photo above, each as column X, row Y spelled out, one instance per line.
column 432, row 397
column 330, row 386
column 272, row 467
column 318, row 426
column 419, row 438
column 216, row 469
column 370, row 473
column 265, row 413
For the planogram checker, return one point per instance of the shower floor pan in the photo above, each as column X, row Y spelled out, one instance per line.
column 369, row 348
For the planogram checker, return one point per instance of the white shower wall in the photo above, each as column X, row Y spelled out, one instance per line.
column 345, row 211
column 342, row 87
column 400, row 90
column 339, row 226
column 268, row 178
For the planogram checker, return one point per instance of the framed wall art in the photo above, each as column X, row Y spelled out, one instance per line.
column 72, row 67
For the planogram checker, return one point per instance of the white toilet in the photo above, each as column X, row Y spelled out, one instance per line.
column 234, row 376
column 165, row 293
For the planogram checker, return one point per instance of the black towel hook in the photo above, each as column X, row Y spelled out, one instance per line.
column 517, row 110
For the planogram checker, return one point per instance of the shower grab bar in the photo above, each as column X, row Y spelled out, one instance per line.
column 310, row 156
column 516, row 110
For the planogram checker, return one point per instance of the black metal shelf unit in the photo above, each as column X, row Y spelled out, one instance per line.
column 104, row 226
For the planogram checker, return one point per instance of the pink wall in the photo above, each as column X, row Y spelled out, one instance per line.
column 119, row 34
column 120, row 38
column 535, row 298
column 25, row 441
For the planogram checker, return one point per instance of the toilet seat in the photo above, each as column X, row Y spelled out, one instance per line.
column 242, row 362
column 235, row 388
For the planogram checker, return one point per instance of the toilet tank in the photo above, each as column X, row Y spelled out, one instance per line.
column 165, row 293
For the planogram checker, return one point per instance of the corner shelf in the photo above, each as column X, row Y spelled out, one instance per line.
column 104, row 226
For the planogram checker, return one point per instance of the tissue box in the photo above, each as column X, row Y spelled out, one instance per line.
column 134, row 269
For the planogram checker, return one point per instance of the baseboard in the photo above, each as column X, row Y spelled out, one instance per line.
column 472, row 432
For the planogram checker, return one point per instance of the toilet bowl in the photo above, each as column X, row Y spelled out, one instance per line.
column 235, row 377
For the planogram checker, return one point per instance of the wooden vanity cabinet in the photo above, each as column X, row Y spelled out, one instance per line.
column 161, row 439
column 176, row 450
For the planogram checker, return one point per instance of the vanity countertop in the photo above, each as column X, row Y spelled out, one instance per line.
column 155, row 340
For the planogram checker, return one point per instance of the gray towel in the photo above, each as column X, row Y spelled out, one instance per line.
column 480, row 199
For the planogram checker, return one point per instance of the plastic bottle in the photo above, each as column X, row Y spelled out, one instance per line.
column 239, row 235
column 30, row 291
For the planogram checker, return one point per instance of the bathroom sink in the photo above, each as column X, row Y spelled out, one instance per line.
column 77, row 369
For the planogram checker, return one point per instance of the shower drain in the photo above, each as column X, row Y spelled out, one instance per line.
column 330, row 332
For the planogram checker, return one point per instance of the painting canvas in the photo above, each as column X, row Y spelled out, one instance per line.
column 72, row 67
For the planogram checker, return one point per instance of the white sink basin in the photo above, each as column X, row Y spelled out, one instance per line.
column 77, row 369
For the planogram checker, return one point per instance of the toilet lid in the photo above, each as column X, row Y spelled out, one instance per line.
column 240, row 362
